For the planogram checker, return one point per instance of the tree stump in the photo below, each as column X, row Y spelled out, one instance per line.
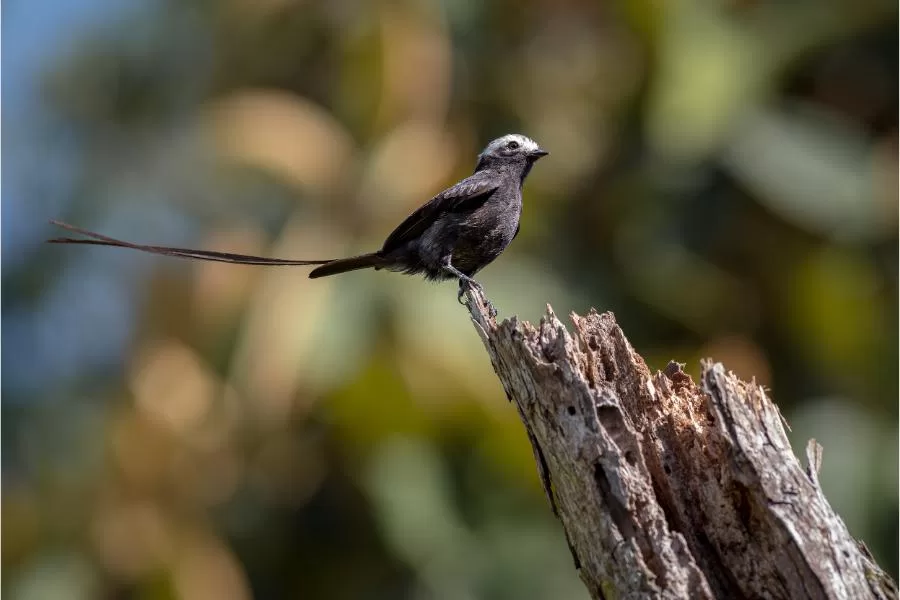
column 667, row 488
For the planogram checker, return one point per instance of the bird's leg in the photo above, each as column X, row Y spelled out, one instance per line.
column 462, row 277
column 464, row 282
column 448, row 266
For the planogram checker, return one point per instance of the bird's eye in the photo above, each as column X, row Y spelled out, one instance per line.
column 512, row 145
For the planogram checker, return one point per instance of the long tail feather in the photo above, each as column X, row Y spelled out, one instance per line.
column 226, row 257
column 342, row 265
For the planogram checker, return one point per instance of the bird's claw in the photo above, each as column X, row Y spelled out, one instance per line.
column 465, row 286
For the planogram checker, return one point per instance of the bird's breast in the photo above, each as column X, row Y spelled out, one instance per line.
column 484, row 234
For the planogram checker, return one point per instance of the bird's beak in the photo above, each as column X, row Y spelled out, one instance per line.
column 536, row 154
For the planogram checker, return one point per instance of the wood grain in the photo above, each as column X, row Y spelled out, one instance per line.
column 665, row 487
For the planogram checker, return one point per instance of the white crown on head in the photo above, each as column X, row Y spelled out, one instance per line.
column 525, row 142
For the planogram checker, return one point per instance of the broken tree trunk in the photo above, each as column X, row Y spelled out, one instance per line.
column 666, row 488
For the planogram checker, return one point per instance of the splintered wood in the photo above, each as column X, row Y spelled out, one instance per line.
column 667, row 488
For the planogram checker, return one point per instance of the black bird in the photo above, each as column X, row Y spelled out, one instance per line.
column 452, row 236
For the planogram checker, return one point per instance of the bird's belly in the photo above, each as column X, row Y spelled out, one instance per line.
column 470, row 241
column 479, row 244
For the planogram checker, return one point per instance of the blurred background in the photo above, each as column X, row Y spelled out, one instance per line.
column 723, row 177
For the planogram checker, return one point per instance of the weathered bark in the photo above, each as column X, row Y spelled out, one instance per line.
column 666, row 488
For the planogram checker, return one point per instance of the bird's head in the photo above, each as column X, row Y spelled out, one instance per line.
column 513, row 148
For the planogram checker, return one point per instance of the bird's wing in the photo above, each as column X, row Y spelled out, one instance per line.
column 467, row 195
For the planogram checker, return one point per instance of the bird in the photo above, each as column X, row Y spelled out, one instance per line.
column 452, row 236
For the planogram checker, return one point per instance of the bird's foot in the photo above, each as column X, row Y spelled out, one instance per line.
column 467, row 284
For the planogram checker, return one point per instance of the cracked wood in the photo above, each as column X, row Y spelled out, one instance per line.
column 667, row 488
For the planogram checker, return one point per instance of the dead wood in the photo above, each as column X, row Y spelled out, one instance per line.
column 666, row 487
